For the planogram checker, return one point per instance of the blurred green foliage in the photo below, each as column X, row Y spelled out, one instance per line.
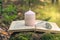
column 21, row 36
column 9, row 14
column 49, row 36
column 30, row 36
column 10, row 9
column 45, row 10
column 0, row 6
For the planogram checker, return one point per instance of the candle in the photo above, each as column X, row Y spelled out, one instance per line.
column 29, row 18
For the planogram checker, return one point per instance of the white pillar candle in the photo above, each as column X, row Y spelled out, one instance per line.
column 29, row 18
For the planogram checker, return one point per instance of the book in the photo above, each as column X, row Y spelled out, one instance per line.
column 41, row 26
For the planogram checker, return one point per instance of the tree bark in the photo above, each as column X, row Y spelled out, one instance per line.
column 55, row 1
